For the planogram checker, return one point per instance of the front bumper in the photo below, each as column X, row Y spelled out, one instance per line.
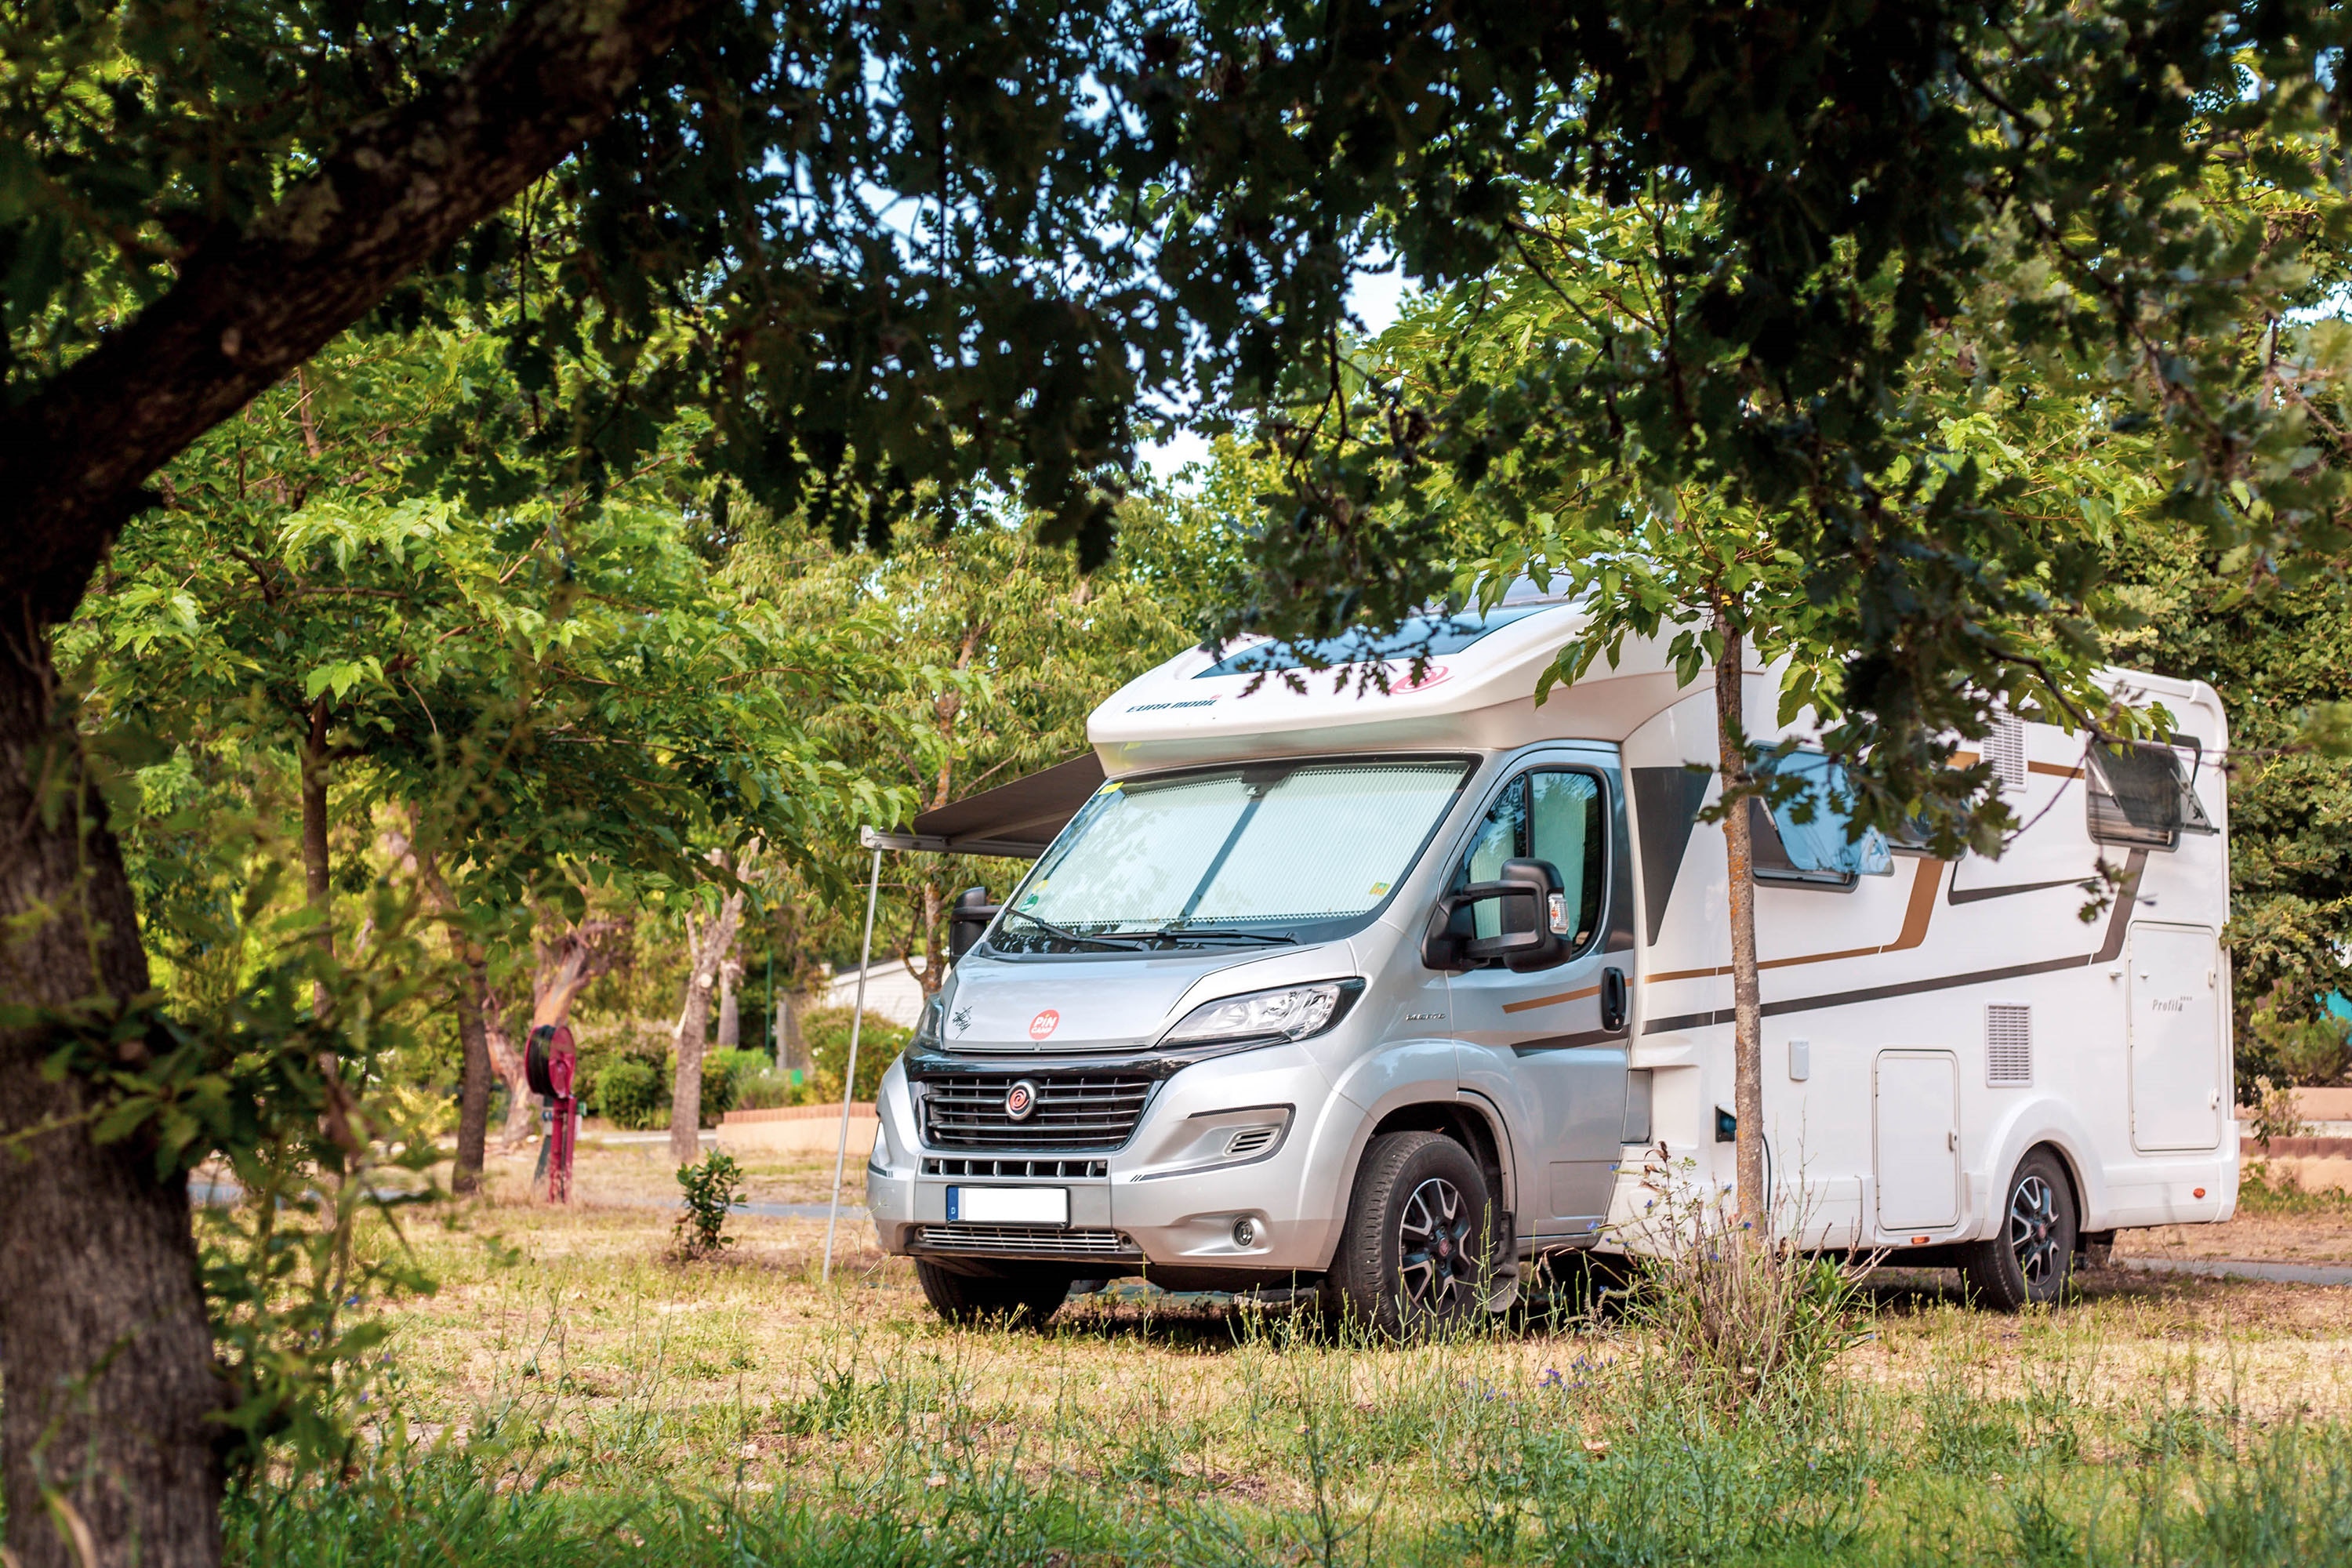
column 1199, row 1162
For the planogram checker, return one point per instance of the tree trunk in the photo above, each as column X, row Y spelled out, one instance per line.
column 1748, row 1026
column 105, row 1350
column 566, row 966
column 730, row 1002
column 506, row 1060
column 474, row 1078
column 473, row 1041
column 703, row 947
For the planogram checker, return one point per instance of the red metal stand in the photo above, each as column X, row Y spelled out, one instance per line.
column 552, row 1064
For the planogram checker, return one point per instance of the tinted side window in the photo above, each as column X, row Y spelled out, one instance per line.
column 1553, row 814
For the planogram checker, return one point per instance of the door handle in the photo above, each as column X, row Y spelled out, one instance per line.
column 1952, row 1138
column 1612, row 999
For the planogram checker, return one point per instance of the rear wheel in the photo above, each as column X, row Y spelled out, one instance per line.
column 1418, row 1252
column 2030, row 1259
column 1008, row 1292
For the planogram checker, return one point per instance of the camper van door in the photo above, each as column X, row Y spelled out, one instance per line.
column 1540, row 1034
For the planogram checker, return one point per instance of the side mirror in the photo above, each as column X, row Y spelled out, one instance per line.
column 967, row 918
column 1533, row 914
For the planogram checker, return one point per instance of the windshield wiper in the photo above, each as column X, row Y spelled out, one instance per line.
column 1178, row 933
column 1121, row 941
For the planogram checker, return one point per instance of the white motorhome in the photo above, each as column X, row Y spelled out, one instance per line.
column 1391, row 991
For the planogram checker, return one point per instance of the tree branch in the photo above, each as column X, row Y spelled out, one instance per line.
column 252, row 303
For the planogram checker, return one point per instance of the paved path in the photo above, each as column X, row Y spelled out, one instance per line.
column 2240, row 1269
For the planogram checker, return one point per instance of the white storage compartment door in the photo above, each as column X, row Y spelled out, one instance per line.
column 1918, row 1134
column 2175, row 1037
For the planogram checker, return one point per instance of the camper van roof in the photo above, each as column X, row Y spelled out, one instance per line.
column 1443, row 680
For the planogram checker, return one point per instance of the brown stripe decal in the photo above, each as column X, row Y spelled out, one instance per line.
column 1551, row 1001
column 2118, row 926
column 1568, row 1042
column 1924, row 880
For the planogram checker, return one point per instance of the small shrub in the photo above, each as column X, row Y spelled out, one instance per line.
column 632, row 1092
column 826, row 1032
column 724, row 1076
column 711, row 1188
column 2274, row 1113
column 765, row 1090
column 1746, row 1319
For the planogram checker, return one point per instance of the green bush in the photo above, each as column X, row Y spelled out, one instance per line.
column 826, row 1032
column 725, row 1075
column 763, row 1091
column 632, row 1092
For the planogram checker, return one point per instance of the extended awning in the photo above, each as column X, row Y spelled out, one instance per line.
column 1016, row 820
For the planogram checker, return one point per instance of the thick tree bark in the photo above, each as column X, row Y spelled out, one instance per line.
column 1747, row 1012
column 108, row 1356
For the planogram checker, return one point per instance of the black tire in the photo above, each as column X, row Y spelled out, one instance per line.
column 1007, row 1292
column 2031, row 1257
column 1418, row 1251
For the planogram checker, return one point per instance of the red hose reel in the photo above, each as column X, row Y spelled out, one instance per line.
column 551, row 1065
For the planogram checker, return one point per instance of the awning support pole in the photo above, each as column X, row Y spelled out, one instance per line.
column 849, row 1077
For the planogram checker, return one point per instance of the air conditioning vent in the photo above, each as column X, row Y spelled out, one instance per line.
column 1253, row 1140
column 2009, row 1043
column 2005, row 749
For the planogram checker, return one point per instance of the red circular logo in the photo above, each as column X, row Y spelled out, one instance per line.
column 1433, row 675
column 1044, row 1024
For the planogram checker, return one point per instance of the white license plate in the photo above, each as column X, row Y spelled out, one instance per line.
column 1008, row 1205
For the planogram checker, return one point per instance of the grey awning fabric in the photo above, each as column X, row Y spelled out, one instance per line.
column 1017, row 820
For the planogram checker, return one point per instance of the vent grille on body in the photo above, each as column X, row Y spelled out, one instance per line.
column 2005, row 749
column 1251, row 1139
column 2008, row 1042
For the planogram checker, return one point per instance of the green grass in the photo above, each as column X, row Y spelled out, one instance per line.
column 1854, row 1481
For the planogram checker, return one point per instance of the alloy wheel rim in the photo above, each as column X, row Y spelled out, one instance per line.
column 2033, row 1230
column 1436, row 1263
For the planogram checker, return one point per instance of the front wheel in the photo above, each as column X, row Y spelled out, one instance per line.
column 1419, row 1248
column 1007, row 1292
column 2030, row 1259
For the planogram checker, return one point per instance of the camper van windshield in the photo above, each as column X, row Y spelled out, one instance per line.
column 1265, row 852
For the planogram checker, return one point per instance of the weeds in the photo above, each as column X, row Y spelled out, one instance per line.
column 1743, row 1318
column 711, row 1189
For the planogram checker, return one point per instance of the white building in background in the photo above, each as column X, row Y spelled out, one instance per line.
column 892, row 992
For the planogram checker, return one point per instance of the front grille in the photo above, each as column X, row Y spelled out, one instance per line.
column 1028, row 1239
column 1094, row 1111
column 1051, row 1169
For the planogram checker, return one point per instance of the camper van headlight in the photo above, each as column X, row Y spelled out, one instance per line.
column 1289, row 1013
